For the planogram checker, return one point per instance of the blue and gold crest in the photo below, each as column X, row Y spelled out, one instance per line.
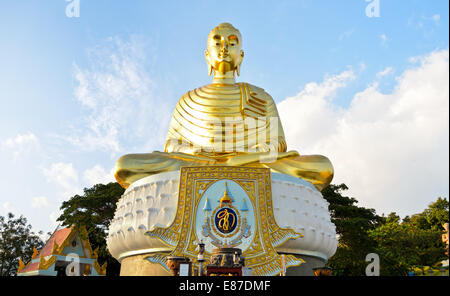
column 225, row 220
column 227, row 224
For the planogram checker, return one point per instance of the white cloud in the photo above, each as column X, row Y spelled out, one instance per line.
column 392, row 149
column 384, row 39
column 426, row 24
column 346, row 34
column 40, row 202
column 22, row 143
column 98, row 175
column 436, row 18
column 53, row 217
column 64, row 175
column 119, row 96
column 362, row 66
column 309, row 109
column 9, row 208
column 387, row 71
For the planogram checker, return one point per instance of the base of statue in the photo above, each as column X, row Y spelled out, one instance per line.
column 262, row 213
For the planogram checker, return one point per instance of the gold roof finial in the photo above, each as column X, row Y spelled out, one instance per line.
column 225, row 198
column 35, row 253
column 21, row 265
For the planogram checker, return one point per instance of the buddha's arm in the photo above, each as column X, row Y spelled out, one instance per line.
column 132, row 167
column 174, row 145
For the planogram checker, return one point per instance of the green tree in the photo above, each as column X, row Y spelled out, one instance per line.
column 436, row 215
column 16, row 241
column 402, row 246
column 391, row 218
column 413, row 242
column 95, row 210
column 352, row 224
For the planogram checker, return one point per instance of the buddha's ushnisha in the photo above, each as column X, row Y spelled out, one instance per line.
column 225, row 123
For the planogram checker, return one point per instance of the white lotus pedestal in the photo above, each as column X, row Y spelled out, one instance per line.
column 264, row 214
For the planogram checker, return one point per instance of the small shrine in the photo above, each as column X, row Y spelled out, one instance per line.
column 59, row 257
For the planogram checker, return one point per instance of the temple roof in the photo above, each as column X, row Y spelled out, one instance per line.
column 30, row 267
column 58, row 237
column 50, row 248
column 54, row 248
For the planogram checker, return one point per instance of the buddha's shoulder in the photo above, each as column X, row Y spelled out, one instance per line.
column 229, row 89
column 257, row 91
column 214, row 88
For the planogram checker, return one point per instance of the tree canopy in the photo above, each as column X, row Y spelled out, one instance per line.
column 352, row 224
column 434, row 216
column 414, row 242
column 402, row 245
column 95, row 210
column 16, row 241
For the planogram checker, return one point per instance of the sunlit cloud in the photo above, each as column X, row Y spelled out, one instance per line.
column 39, row 202
column 64, row 175
column 118, row 94
column 391, row 149
column 384, row 39
column 98, row 175
column 346, row 34
column 7, row 207
column 436, row 18
column 385, row 72
column 21, row 144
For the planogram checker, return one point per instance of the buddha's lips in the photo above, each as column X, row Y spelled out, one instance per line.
column 223, row 56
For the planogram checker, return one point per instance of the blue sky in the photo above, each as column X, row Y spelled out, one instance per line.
column 60, row 131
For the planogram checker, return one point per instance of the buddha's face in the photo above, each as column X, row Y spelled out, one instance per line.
column 224, row 51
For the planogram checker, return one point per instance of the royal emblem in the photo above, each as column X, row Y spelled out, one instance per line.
column 225, row 220
column 225, row 226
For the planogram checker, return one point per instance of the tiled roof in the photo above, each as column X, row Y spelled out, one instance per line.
column 49, row 255
column 30, row 267
column 58, row 236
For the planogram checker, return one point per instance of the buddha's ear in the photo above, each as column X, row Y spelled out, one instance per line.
column 238, row 68
column 210, row 68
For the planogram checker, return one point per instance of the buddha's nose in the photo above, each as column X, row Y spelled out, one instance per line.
column 225, row 47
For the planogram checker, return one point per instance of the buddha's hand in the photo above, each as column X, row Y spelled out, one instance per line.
column 264, row 147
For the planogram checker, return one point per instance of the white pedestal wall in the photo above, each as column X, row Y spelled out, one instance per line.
column 152, row 201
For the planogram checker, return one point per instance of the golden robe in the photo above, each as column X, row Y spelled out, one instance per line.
column 225, row 124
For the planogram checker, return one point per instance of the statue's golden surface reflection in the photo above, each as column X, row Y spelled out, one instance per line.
column 225, row 123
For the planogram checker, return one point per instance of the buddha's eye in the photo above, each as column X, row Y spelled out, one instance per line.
column 217, row 43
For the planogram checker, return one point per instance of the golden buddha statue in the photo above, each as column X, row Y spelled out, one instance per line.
column 225, row 123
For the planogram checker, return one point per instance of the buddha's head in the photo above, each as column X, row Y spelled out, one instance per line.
column 224, row 49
